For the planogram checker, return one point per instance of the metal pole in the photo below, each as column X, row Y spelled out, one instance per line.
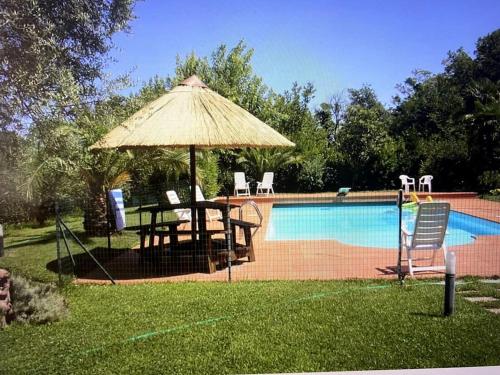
column 108, row 220
column 140, row 206
column 449, row 285
column 192, row 171
column 400, row 243
column 1, row 241
column 65, row 240
column 229, row 239
column 88, row 252
column 58, row 244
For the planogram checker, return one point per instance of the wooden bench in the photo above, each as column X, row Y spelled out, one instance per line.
column 246, row 249
column 145, row 229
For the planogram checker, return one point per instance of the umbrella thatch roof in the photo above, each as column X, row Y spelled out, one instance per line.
column 192, row 114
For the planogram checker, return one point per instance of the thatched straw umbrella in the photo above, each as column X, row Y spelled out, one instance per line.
column 192, row 116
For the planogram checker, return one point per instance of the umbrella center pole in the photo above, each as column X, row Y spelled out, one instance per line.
column 192, row 166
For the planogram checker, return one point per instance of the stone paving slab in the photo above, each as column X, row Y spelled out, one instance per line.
column 494, row 311
column 481, row 299
column 467, row 292
column 490, row 281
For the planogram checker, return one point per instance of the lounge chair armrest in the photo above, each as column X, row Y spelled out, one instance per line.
column 405, row 232
column 406, row 236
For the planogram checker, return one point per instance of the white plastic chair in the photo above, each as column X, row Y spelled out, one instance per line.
column 406, row 182
column 211, row 214
column 425, row 181
column 182, row 213
column 240, row 184
column 429, row 233
column 266, row 184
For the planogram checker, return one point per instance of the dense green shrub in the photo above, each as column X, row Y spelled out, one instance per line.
column 310, row 177
column 209, row 173
column 489, row 180
column 36, row 302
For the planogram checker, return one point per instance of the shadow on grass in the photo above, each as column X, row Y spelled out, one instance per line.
column 47, row 238
column 33, row 240
column 85, row 267
column 125, row 264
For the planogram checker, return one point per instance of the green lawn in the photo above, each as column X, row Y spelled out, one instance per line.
column 249, row 327
column 30, row 249
column 244, row 327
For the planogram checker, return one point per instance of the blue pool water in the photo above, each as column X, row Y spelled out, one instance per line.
column 366, row 224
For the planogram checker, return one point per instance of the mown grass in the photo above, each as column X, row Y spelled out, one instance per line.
column 250, row 327
column 477, row 288
column 244, row 327
column 31, row 249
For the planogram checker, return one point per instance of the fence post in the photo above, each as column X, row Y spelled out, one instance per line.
column 229, row 239
column 58, row 243
column 400, row 243
column 108, row 220
column 1, row 241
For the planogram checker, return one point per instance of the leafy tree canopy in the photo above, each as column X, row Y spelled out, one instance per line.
column 52, row 54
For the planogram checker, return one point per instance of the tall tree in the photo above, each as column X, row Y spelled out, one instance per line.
column 366, row 150
column 449, row 123
column 331, row 115
column 52, row 53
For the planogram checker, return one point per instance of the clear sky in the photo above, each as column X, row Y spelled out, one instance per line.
column 333, row 44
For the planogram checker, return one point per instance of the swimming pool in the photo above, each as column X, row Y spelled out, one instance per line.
column 363, row 224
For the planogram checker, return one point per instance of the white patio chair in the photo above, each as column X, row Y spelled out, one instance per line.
column 429, row 233
column 182, row 213
column 240, row 184
column 425, row 181
column 266, row 184
column 406, row 182
column 211, row 214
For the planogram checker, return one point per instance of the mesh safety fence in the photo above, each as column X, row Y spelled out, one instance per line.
column 269, row 237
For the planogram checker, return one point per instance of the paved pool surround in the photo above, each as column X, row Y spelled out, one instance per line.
column 327, row 259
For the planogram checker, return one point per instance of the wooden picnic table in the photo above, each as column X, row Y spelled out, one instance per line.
column 246, row 249
column 202, row 250
column 149, row 229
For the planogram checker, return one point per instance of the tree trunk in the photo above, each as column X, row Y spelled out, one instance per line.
column 95, row 221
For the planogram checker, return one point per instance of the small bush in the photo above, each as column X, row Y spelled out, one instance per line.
column 489, row 180
column 310, row 178
column 210, row 172
column 36, row 302
column 495, row 192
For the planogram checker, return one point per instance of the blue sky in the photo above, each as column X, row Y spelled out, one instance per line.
column 333, row 44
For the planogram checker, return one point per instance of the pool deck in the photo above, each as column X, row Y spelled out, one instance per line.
column 329, row 259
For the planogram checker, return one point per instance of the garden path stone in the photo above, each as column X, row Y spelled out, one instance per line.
column 490, row 281
column 481, row 299
column 468, row 291
column 494, row 311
